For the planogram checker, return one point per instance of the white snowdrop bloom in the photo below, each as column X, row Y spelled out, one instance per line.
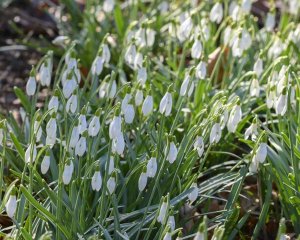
column 125, row 101
column 111, row 166
column 237, row 50
column 254, row 88
column 270, row 98
column 246, row 5
column 185, row 29
column 163, row 7
column 74, row 137
column 94, row 126
column 281, row 104
column 246, row 40
column 201, row 70
column 258, row 67
column 97, row 66
column 1, row 136
column 28, row 155
column 71, row 62
column 118, row 144
column 103, row 90
column 31, row 86
column 165, row 106
column 69, row 87
column 251, row 130
column 284, row 237
column 130, row 54
column 261, row 153
column 142, row 75
column 253, row 166
column 224, row 119
column 140, row 37
column 276, row 49
column 112, row 89
column 294, row 6
column 199, row 236
column 51, row 128
column 270, row 22
column 234, row 118
column 139, row 97
column 72, row 103
column 199, row 145
column 53, row 103
column 67, row 173
column 204, row 23
column 61, row 40
column 37, row 128
column 138, row 61
column 151, row 167
column 111, row 184
column 172, row 154
column 162, row 212
column 167, row 236
column 192, row 196
column 129, row 114
column 108, row 5
column 216, row 13
column 227, row 35
column 96, row 181
column 150, row 33
column 115, row 127
column 106, row 53
column 45, row 73
column 82, row 123
column 171, row 222
column 45, row 164
column 80, row 147
column 147, row 105
column 196, row 50
column 142, row 181
column 215, row 133
column 236, row 13
column 50, row 140
column 185, row 84
column 11, row 206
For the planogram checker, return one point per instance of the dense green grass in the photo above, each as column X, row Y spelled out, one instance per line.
column 218, row 118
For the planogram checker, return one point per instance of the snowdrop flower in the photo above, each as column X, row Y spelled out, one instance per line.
column 201, row 70
column 130, row 54
column 281, row 103
column 150, row 33
column 11, row 205
column 51, row 129
column 270, row 22
column 142, row 76
column 74, row 137
column 253, row 166
column 254, row 88
column 45, row 163
column 112, row 89
column 37, row 129
column 216, row 13
column 172, row 154
column 142, row 180
column 234, row 118
column 227, row 35
column 167, row 236
column 69, row 86
column 185, row 29
column 276, row 49
column 111, row 166
column 261, row 153
column 171, row 222
column 111, row 184
column 194, row 193
column 80, row 147
column 246, row 5
column 147, row 105
column 138, row 61
column 61, row 41
column 185, row 85
column 196, row 49
column 108, row 5
column 68, row 171
column 271, row 97
column 31, row 86
column 125, row 101
column 138, row 97
column 54, row 103
column 199, row 146
column 163, row 211
column 237, row 50
column 1, row 136
column 215, row 133
column 94, row 126
column 72, row 103
column 258, row 67
column 82, row 123
column 129, row 114
column 199, row 236
column 96, row 181
column 45, row 73
column 97, row 66
column 106, row 53
column 252, row 130
column 115, row 127
column 118, row 144
column 246, row 40
column 151, row 167
column 165, row 105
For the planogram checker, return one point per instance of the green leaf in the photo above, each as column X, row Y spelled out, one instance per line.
column 119, row 20
column 23, row 98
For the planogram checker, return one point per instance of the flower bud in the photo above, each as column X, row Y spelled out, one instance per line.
column 96, row 181
column 147, row 105
column 67, row 173
column 11, row 206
